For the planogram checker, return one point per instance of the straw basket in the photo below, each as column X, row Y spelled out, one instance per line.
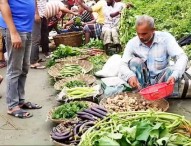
column 161, row 104
column 73, row 39
column 54, row 71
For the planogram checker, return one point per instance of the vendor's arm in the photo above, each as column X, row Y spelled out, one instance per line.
column 128, row 6
column 89, row 9
column 69, row 23
column 175, row 51
column 66, row 10
column 7, row 16
column 124, row 72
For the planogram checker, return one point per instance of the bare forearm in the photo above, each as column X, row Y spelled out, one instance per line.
column 66, row 10
column 90, row 22
column 114, row 14
column 69, row 23
column 7, row 16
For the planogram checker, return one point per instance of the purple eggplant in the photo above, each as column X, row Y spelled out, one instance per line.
column 76, row 129
column 94, row 113
column 61, row 134
column 86, row 117
column 98, row 111
column 101, row 108
column 89, row 123
column 61, row 138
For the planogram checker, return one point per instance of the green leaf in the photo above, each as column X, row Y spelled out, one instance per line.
column 143, row 131
column 115, row 135
column 130, row 131
column 106, row 141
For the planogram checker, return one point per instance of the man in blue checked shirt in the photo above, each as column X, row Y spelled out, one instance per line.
column 146, row 57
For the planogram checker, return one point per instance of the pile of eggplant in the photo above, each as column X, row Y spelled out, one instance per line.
column 70, row 133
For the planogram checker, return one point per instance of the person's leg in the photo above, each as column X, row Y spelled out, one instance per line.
column 163, row 76
column 140, row 69
column 115, row 35
column 107, row 34
column 25, row 67
column 36, row 35
column 14, row 71
column 44, row 36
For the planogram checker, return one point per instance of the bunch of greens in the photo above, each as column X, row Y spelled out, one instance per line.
column 139, row 129
column 98, row 61
column 69, row 110
column 77, row 21
column 62, row 51
column 95, row 43
column 172, row 16
column 75, row 83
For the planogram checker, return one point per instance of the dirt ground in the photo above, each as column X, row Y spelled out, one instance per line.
column 35, row 131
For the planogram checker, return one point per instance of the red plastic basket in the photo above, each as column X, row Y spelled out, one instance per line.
column 157, row 91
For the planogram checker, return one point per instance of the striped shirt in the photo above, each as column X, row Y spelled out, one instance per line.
column 41, row 5
column 53, row 8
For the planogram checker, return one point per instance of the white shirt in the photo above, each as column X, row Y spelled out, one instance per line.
column 41, row 5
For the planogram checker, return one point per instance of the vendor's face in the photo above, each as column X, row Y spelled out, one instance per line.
column 144, row 32
column 110, row 2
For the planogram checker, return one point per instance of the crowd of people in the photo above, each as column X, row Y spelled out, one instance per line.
column 25, row 26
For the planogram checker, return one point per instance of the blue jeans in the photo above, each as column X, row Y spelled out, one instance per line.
column 17, row 69
column 36, row 36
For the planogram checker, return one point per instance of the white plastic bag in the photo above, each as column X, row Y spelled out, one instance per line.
column 111, row 67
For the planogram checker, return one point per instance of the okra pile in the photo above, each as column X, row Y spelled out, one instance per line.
column 71, row 70
column 139, row 129
column 80, row 92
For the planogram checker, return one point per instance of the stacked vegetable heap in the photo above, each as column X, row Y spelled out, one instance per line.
column 139, row 129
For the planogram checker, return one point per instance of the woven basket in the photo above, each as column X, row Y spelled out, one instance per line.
column 162, row 104
column 54, row 71
column 73, row 39
column 81, row 57
column 61, row 128
column 88, row 79
column 49, row 116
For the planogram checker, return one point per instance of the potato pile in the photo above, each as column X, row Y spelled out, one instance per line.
column 121, row 103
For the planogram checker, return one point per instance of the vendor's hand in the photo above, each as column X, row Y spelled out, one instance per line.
column 37, row 18
column 171, row 80
column 76, row 14
column 16, row 40
column 83, row 23
column 133, row 82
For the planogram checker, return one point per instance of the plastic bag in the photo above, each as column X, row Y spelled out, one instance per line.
column 111, row 67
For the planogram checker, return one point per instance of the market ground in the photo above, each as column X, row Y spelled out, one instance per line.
column 35, row 131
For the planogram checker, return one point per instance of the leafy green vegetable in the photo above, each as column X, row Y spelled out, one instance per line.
column 170, row 15
column 94, row 43
column 98, row 61
column 139, row 129
column 69, row 110
column 63, row 51
column 75, row 83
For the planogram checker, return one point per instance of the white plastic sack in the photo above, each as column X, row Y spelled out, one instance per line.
column 111, row 67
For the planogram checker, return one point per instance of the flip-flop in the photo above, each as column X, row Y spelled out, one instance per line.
column 20, row 113
column 3, row 64
column 29, row 105
column 41, row 60
column 37, row 67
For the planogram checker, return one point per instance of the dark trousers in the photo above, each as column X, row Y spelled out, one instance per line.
column 44, row 35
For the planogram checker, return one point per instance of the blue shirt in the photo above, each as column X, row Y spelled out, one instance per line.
column 23, row 12
column 164, row 46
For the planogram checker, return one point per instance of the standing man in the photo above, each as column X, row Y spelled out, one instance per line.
column 146, row 57
column 39, row 29
column 18, row 17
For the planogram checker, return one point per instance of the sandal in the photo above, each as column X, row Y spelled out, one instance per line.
column 29, row 105
column 37, row 66
column 41, row 60
column 20, row 113
column 3, row 64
